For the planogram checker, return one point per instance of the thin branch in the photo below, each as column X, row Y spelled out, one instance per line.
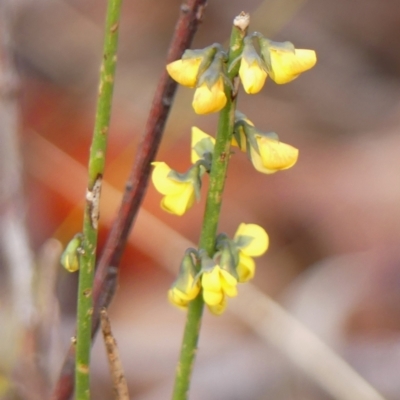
column 106, row 274
column 98, row 148
column 211, row 216
column 120, row 386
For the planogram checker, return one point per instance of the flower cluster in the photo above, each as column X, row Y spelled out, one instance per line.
column 218, row 276
column 282, row 62
column 210, row 71
column 205, row 70
column 180, row 190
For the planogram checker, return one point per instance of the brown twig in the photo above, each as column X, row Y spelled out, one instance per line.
column 107, row 269
column 120, row 386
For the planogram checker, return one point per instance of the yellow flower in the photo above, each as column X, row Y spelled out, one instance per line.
column 251, row 241
column 201, row 144
column 208, row 100
column 252, row 76
column 274, row 155
column 287, row 65
column 179, row 196
column 185, row 71
column 216, row 284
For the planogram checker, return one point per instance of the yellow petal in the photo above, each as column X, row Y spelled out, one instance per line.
column 258, row 163
column 252, row 76
column 207, row 100
column 227, row 278
column 179, row 203
column 212, row 298
column 228, row 283
column 176, row 300
column 276, row 155
column 210, row 280
column 219, row 308
column 197, row 136
column 287, row 66
column 246, row 268
column 190, row 291
column 162, row 182
column 185, row 71
column 229, row 290
column 260, row 242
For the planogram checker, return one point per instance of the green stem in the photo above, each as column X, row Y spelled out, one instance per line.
column 210, row 222
column 91, row 214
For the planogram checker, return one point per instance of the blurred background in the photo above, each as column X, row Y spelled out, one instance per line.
column 333, row 220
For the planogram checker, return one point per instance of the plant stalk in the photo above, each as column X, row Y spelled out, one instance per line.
column 218, row 171
column 98, row 148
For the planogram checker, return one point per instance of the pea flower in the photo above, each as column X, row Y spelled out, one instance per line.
column 187, row 70
column 209, row 98
column 252, row 241
column 273, row 155
column 179, row 190
column 202, row 145
column 252, row 69
column 210, row 95
column 236, row 256
column 284, row 62
column 217, row 283
column 266, row 152
column 187, row 286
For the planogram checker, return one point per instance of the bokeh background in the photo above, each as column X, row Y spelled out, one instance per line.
column 333, row 220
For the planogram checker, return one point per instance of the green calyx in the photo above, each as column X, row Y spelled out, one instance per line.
column 204, row 149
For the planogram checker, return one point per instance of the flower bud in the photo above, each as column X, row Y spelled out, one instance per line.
column 70, row 256
column 187, row 285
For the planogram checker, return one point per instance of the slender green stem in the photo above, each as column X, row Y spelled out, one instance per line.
column 91, row 215
column 210, row 222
